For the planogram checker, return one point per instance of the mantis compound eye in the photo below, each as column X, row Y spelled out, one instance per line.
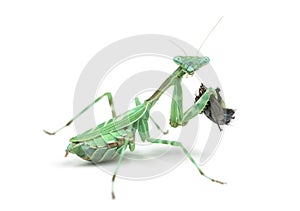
column 178, row 60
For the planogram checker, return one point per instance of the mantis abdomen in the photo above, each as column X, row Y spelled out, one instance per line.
column 102, row 148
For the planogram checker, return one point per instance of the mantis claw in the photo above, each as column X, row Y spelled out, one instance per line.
column 49, row 133
column 217, row 181
column 166, row 132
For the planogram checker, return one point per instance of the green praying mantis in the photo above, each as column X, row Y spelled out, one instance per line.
column 110, row 139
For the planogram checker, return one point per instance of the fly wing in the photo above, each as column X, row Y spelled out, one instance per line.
column 216, row 112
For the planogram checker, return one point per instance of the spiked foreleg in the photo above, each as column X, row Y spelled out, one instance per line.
column 176, row 104
column 198, row 107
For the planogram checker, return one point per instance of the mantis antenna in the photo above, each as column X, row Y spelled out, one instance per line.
column 178, row 47
column 208, row 35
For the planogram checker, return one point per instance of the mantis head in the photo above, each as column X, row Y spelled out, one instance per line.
column 190, row 64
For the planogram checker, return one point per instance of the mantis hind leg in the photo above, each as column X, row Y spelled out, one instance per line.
column 111, row 104
column 145, row 133
column 117, row 169
column 179, row 144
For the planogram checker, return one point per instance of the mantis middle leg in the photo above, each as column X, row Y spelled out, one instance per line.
column 138, row 102
column 111, row 104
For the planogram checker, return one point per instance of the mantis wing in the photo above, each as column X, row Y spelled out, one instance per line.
column 214, row 111
column 119, row 122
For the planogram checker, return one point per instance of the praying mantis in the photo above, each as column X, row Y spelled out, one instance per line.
column 110, row 139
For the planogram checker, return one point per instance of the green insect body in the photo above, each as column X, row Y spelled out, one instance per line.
column 111, row 138
column 106, row 141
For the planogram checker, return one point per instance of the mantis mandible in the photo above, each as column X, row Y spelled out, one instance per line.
column 108, row 140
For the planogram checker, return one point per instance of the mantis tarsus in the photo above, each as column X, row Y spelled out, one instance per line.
column 111, row 138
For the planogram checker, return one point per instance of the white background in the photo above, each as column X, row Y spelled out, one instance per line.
column 254, row 50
